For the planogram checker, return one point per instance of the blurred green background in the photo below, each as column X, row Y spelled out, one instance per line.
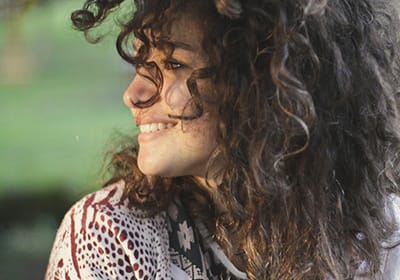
column 60, row 109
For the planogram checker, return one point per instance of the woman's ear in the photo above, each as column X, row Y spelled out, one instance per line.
column 229, row 8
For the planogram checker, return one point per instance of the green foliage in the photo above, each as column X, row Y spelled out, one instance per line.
column 60, row 109
column 56, row 123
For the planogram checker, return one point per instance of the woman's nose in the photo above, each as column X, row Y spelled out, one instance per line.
column 140, row 91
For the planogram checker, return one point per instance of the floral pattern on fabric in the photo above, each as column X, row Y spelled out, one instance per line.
column 188, row 249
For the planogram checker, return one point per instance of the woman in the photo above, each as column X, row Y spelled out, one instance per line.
column 268, row 148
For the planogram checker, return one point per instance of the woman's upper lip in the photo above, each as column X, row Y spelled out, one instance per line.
column 142, row 121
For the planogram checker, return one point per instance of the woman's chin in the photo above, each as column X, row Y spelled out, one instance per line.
column 151, row 169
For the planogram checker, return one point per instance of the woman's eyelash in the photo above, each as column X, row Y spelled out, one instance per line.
column 173, row 65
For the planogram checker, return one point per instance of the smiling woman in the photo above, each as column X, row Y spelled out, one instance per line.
column 162, row 140
column 268, row 147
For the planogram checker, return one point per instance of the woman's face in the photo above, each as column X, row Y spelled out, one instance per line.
column 171, row 147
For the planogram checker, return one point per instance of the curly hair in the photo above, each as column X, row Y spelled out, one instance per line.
column 308, row 126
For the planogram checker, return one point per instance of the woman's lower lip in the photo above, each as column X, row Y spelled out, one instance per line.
column 148, row 136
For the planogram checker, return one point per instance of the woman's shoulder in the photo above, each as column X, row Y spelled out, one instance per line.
column 392, row 210
column 108, row 201
column 391, row 252
column 102, row 236
column 108, row 209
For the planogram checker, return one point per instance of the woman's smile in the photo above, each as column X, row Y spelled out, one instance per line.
column 152, row 127
column 152, row 131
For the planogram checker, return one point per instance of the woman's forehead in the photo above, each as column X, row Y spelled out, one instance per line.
column 182, row 32
column 186, row 30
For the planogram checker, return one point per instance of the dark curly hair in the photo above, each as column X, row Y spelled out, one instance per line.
column 307, row 126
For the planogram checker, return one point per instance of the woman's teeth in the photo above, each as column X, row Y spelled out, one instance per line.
column 151, row 127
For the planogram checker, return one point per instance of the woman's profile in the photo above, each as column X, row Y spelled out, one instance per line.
column 269, row 145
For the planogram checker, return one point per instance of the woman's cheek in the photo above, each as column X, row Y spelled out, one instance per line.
column 177, row 97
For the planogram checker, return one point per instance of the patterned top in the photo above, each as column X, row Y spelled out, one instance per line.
column 103, row 237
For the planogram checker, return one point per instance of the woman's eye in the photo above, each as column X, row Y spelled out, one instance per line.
column 173, row 65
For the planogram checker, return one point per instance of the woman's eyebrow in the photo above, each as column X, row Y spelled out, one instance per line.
column 182, row 45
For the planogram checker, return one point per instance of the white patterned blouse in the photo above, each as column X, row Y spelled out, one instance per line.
column 103, row 237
